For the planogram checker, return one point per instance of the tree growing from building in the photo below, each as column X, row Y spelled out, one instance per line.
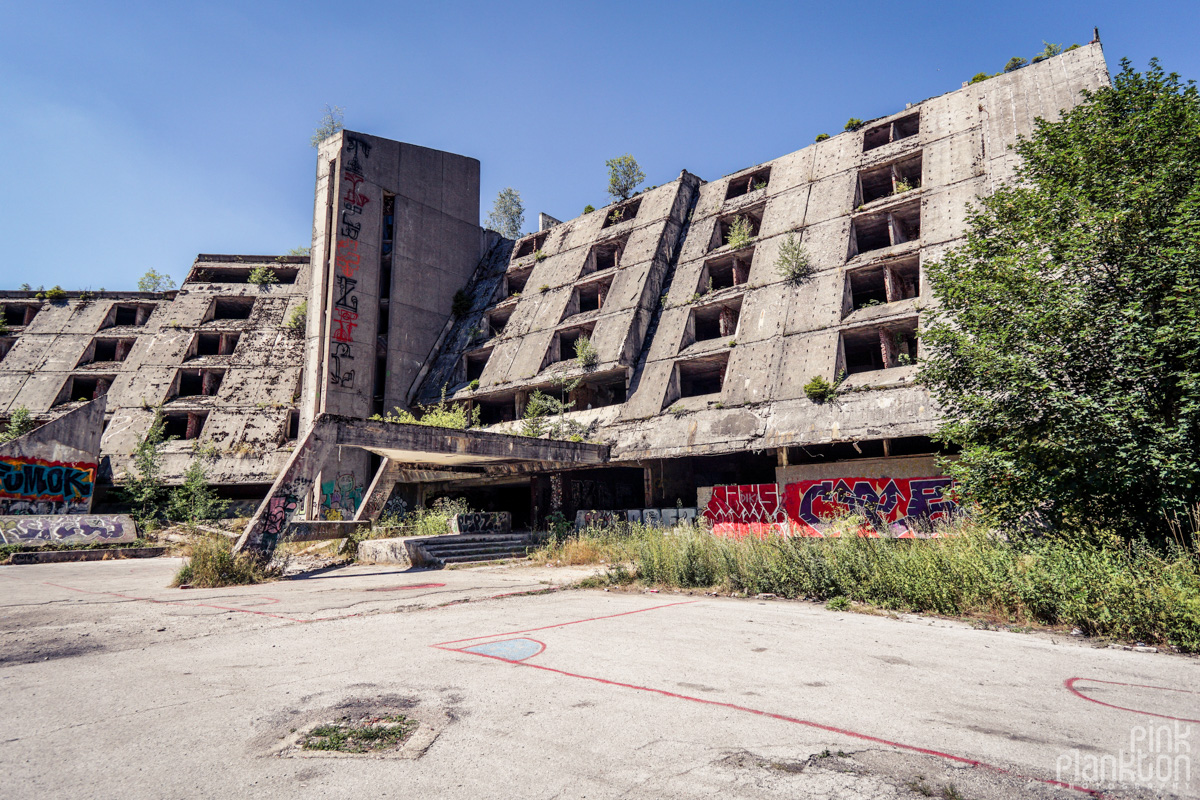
column 1066, row 352
column 154, row 281
column 624, row 176
column 20, row 422
column 332, row 121
column 508, row 214
column 144, row 488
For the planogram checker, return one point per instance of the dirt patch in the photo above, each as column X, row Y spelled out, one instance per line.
column 369, row 734
column 384, row 726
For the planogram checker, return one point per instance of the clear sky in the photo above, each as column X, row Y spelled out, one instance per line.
column 140, row 134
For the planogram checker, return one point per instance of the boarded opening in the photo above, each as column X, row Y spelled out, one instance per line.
column 745, row 184
column 702, row 376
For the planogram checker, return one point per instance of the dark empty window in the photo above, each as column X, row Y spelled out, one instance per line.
column 515, row 281
column 717, row 321
column 889, row 180
column 744, row 184
column 885, row 283
column 876, row 348
column 18, row 315
column 82, row 388
column 605, row 255
column 199, row 382
column 6, row 344
column 622, row 213
column 530, row 245
column 497, row 320
column 215, row 344
column 108, row 350
column 232, row 307
column 592, row 295
column 492, row 412
column 888, row 132
column 474, row 363
column 877, row 231
column 702, row 376
column 282, row 273
column 184, row 424
column 129, row 314
column 722, row 273
column 292, row 425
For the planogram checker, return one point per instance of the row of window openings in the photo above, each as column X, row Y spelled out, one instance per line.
column 588, row 395
column 603, row 256
column 890, row 132
column 284, row 274
column 863, row 350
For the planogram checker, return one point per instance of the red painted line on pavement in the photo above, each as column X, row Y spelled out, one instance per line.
column 561, row 624
column 734, row 706
column 1070, row 684
column 199, row 605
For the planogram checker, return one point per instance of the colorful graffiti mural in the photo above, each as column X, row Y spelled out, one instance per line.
column 898, row 507
column 34, row 486
column 340, row 497
column 72, row 529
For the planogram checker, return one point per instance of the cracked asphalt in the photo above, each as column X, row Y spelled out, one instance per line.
column 115, row 685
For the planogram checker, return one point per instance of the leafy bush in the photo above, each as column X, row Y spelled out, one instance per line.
column 793, row 263
column 473, row 385
column 144, row 488
column 461, row 303
column 539, row 255
column 300, row 251
column 1015, row 63
column 154, row 281
column 903, row 186
column 980, row 77
column 821, row 137
column 443, row 414
column 262, row 276
column 820, row 390
column 195, row 500
column 20, row 422
column 624, row 176
column 853, row 124
column 508, row 214
column 297, row 321
column 213, row 564
column 53, row 294
column 585, row 353
column 1062, row 353
column 740, row 233
column 331, row 122
column 589, row 208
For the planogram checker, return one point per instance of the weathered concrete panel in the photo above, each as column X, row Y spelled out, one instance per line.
column 35, row 531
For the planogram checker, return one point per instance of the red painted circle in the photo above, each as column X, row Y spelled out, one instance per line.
column 1070, row 684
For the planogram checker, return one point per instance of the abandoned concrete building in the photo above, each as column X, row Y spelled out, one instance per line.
column 688, row 396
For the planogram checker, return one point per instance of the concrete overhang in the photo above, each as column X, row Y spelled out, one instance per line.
column 466, row 450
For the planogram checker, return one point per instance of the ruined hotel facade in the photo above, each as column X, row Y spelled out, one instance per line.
column 701, row 351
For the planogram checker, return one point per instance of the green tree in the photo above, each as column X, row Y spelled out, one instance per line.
column 331, row 122
column 794, row 264
column 1065, row 355
column 624, row 176
column 195, row 500
column 508, row 214
column 154, row 281
column 1015, row 63
column 20, row 422
column 143, row 488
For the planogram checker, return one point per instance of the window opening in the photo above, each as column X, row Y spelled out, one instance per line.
column 889, row 132
column 232, row 307
column 622, row 213
column 703, row 376
column 745, row 184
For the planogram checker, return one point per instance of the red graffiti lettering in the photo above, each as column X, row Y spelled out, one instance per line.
column 344, row 320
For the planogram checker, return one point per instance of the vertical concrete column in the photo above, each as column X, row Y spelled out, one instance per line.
column 726, row 321
column 601, row 292
column 193, row 426
column 887, row 347
column 208, row 382
column 30, row 312
column 143, row 314
column 889, row 284
column 122, row 349
column 741, row 272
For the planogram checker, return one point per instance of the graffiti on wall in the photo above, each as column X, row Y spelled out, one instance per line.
column 748, row 509
column 340, row 497
column 483, row 522
column 34, row 486
column 899, row 507
column 347, row 263
column 67, row 529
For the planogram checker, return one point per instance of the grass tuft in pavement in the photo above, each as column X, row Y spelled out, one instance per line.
column 368, row 736
column 213, row 563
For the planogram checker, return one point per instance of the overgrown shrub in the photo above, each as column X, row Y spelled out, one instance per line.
column 53, row 294
column 586, row 354
column 820, row 390
column 262, row 276
column 20, row 422
column 853, row 124
column 213, row 564
column 144, row 488
column 461, row 303
column 821, row 137
column 740, row 233
column 195, row 500
column 442, row 414
column 297, row 321
column 793, row 263
column 624, row 176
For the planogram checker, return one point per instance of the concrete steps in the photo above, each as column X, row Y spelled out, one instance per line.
column 469, row 548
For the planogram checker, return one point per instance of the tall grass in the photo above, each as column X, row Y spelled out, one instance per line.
column 213, row 563
column 1100, row 585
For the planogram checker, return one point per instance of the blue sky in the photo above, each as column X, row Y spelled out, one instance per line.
column 141, row 134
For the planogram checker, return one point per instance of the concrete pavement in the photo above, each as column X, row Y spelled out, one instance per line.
column 115, row 685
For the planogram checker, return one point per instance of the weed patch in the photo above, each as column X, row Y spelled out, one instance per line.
column 213, row 563
column 361, row 736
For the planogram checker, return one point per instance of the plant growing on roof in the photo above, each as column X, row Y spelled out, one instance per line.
column 821, row 137
column 331, row 122
column 154, row 281
column 820, row 390
column 20, row 422
column 624, row 176
column 793, row 263
column 1015, row 63
column 853, row 124
column 740, row 233
column 262, row 276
